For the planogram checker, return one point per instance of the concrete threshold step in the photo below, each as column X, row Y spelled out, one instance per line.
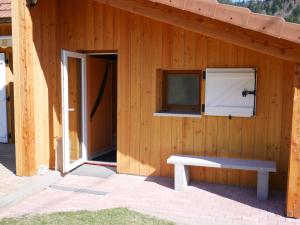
column 36, row 184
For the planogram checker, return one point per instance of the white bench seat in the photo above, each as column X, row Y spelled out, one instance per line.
column 182, row 163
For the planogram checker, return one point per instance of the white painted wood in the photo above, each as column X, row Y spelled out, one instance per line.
column 67, row 165
column 223, row 92
column 3, row 107
column 182, row 177
column 262, row 185
column 227, row 163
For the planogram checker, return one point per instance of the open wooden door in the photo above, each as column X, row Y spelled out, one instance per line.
column 74, row 111
column 3, row 108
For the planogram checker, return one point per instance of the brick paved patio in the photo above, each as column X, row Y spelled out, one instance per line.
column 200, row 203
column 9, row 181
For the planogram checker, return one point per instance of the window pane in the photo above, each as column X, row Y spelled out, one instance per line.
column 75, row 129
column 183, row 89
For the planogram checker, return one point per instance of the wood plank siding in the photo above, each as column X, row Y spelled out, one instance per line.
column 35, row 68
column 144, row 46
column 248, row 33
column 293, row 201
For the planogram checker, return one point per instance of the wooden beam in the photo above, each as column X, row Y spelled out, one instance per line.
column 23, row 89
column 216, row 29
column 293, row 192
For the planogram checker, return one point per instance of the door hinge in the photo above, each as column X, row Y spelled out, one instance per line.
column 7, row 98
column 203, row 107
column 6, row 61
column 204, row 75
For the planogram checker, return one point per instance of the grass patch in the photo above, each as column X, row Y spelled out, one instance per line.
column 118, row 216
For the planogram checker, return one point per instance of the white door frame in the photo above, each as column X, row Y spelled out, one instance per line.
column 3, row 106
column 67, row 165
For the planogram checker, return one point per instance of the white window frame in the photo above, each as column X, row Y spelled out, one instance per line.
column 4, row 117
column 67, row 165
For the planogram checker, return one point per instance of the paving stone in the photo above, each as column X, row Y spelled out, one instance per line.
column 9, row 181
column 201, row 203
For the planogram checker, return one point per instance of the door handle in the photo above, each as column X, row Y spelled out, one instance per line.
column 71, row 110
column 247, row 92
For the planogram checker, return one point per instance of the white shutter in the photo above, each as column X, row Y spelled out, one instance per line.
column 224, row 88
column 3, row 110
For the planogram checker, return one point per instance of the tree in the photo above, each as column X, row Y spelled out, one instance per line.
column 289, row 9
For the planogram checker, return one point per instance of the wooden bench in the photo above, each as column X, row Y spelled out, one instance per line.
column 182, row 163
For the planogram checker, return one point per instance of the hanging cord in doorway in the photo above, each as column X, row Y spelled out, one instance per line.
column 101, row 91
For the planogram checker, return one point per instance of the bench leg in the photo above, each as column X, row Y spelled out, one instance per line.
column 181, row 177
column 262, row 185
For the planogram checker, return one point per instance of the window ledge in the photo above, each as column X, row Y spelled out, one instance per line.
column 187, row 115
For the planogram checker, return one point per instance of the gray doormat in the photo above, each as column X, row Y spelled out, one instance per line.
column 78, row 190
column 94, row 171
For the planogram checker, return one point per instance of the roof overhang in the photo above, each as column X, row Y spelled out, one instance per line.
column 271, row 25
column 182, row 13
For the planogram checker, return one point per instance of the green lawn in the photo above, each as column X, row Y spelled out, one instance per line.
column 118, row 216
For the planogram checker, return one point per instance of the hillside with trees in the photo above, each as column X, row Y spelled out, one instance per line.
column 288, row 9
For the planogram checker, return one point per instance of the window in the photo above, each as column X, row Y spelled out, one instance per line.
column 228, row 92
column 181, row 91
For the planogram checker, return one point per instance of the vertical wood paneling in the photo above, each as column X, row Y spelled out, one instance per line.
column 293, row 201
column 135, row 91
column 155, row 122
column 260, row 146
column 108, row 27
column 98, row 25
column 286, row 126
column 146, row 96
column 124, row 101
column 145, row 141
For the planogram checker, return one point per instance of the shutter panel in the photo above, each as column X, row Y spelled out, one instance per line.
column 224, row 92
column 3, row 112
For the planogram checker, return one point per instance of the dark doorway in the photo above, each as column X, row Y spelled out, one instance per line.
column 102, row 107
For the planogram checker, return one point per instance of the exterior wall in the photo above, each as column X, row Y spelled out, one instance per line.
column 143, row 46
column 293, row 190
column 35, row 65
